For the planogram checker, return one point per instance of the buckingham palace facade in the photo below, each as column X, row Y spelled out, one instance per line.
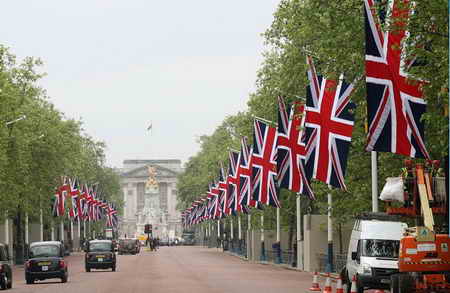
column 154, row 203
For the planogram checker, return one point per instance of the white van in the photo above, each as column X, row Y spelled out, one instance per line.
column 373, row 253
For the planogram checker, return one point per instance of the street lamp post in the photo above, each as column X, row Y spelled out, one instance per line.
column 18, row 219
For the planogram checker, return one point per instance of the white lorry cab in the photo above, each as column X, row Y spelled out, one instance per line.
column 373, row 253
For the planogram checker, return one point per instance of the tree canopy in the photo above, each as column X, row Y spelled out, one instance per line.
column 38, row 144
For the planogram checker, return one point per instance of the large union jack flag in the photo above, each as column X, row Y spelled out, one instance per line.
column 291, row 148
column 264, row 164
column 394, row 103
column 329, row 126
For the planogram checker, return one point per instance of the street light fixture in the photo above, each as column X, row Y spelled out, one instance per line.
column 15, row 120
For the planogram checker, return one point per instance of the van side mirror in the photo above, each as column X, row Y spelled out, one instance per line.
column 354, row 255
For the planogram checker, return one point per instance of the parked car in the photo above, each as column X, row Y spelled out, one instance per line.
column 100, row 255
column 46, row 261
column 5, row 268
column 128, row 246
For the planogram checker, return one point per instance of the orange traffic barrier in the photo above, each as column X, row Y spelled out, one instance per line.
column 339, row 288
column 315, row 284
column 353, row 288
column 327, row 288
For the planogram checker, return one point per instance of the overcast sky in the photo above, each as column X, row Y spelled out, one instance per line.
column 120, row 65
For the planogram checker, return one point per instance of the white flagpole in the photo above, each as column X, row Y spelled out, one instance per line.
column 231, row 228
column 330, row 233
column 62, row 230
column 27, row 228
column 299, row 235
column 41, row 226
column 239, row 228
column 278, row 225
column 374, row 182
column 52, row 228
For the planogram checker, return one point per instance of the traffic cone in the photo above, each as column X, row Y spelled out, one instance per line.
column 327, row 288
column 353, row 288
column 339, row 288
column 315, row 284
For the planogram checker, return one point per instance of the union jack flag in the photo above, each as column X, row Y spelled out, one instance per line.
column 394, row 103
column 329, row 126
column 264, row 164
column 291, row 148
column 215, row 207
column 244, row 175
column 75, row 198
column 223, row 192
column 85, row 202
column 232, row 183
column 56, row 205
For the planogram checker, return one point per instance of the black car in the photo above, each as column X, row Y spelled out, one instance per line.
column 5, row 268
column 128, row 246
column 100, row 255
column 46, row 261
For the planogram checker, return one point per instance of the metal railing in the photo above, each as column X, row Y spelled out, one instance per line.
column 339, row 261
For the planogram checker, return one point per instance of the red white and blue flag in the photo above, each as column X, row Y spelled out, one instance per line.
column 74, row 210
column 244, row 173
column 394, row 103
column 329, row 126
column 291, row 148
column 264, row 164
column 232, row 183
column 223, row 192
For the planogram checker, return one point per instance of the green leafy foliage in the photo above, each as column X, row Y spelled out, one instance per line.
column 37, row 150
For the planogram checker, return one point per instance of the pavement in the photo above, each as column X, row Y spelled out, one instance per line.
column 177, row 269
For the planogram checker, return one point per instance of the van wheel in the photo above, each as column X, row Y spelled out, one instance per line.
column 394, row 283
column 405, row 283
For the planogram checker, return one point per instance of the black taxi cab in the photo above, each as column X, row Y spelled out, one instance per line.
column 100, row 255
column 46, row 261
column 5, row 268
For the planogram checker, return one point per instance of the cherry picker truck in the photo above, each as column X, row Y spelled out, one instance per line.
column 424, row 256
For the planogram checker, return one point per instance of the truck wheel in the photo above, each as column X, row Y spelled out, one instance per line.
column 359, row 286
column 394, row 283
column 9, row 284
column 405, row 283
column 29, row 280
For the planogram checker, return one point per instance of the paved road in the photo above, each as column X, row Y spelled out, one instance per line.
column 172, row 270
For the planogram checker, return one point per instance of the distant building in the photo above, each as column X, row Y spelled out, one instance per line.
column 150, row 203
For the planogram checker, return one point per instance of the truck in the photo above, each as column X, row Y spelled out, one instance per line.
column 373, row 251
column 424, row 256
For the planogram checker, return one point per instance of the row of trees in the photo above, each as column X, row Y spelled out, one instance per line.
column 38, row 144
column 333, row 33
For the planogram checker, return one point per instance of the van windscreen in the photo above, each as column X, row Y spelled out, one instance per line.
column 380, row 248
